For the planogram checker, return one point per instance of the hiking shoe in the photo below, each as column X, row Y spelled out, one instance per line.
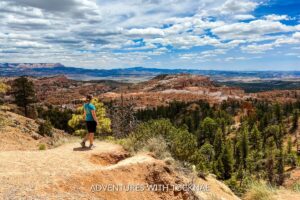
column 92, row 146
column 82, row 144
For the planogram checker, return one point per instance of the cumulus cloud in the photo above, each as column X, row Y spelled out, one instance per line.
column 136, row 32
column 236, row 7
column 243, row 17
column 274, row 17
column 145, row 32
column 252, row 29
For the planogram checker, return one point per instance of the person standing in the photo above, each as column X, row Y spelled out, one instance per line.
column 90, row 120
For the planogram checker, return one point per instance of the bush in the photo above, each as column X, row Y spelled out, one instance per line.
column 77, row 120
column 3, row 121
column 259, row 191
column 181, row 143
column 42, row 147
column 296, row 187
column 45, row 129
column 158, row 146
column 80, row 132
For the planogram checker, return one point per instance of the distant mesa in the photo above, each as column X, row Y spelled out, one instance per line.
column 31, row 65
column 38, row 65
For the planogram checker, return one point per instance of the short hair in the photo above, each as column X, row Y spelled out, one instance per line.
column 89, row 97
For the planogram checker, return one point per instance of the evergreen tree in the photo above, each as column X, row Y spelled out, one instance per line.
column 219, row 168
column 45, row 128
column 295, row 120
column 218, row 143
column 270, row 160
column 24, row 93
column 208, row 153
column 277, row 132
column 289, row 145
column 280, row 168
column 207, row 130
column 243, row 146
column 278, row 112
column 255, row 138
column 227, row 160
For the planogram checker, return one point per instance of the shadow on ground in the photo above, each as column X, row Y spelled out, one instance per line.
column 82, row 149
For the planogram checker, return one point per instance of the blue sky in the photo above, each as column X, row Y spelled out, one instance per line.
column 202, row 34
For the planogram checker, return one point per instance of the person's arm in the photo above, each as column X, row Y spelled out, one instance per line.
column 94, row 116
column 84, row 113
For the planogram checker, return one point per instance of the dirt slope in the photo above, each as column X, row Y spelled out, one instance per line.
column 21, row 133
column 67, row 172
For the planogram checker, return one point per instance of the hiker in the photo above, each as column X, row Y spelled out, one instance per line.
column 91, row 121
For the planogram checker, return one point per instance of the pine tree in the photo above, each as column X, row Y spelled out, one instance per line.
column 270, row 162
column 208, row 153
column 24, row 93
column 207, row 130
column 218, row 143
column 278, row 112
column 227, row 160
column 280, row 167
column 219, row 168
column 295, row 120
column 289, row 145
column 243, row 146
column 255, row 138
column 270, row 168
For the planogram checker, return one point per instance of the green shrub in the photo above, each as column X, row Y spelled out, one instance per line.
column 42, row 147
column 181, row 143
column 296, row 187
column 259, row 191
column 46, row 129
column 2, row 121
column 158, row 146
column 80, row 132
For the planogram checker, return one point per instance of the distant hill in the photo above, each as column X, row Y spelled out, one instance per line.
column 130, row 74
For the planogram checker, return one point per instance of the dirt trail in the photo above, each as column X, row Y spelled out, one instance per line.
column 68, row 172
column 24, row 173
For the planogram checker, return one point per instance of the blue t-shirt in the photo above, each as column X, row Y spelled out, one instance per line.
column 88, row 107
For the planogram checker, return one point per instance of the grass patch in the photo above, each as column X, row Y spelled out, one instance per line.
column 296, row 187
column 259, row 191
column 42, row 147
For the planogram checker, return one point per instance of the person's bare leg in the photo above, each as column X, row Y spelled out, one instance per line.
column 91, row 137
column 86, row 137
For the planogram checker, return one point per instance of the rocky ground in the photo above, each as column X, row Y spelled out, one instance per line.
column 21, row 133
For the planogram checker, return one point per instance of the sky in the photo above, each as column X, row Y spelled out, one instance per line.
column 194, row 34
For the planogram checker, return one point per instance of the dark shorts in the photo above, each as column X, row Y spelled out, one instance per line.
column 91, row 126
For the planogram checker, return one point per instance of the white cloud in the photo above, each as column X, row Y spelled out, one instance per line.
column 145, row 32
column 257, row 48
column 274, row 17
column 237, row 7
column 30, row 44
column 243, row 17
column 283, row 40
column 88, row 32
column 252, row 29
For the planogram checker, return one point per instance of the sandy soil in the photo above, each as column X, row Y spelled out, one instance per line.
column 70, row 172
